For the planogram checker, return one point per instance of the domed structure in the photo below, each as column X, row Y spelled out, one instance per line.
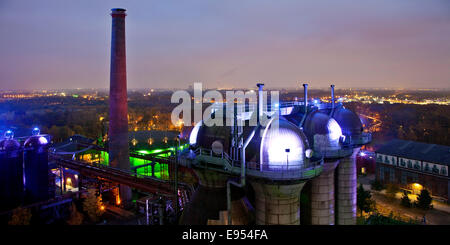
column 283, row 147
column 36, row 141
column 322, row 131
column 9, row 145
column 279, row 145
column 349, row 121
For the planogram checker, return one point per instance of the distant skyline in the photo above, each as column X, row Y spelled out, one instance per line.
column 53, row 44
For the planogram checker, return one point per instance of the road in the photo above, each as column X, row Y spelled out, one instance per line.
column 440, row 215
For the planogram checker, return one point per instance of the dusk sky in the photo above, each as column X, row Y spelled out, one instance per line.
column 228, row 43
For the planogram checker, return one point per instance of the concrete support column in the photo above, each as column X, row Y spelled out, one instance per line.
column 322, row 196
column 346, row 190
column 277, row 204
column 209, row 201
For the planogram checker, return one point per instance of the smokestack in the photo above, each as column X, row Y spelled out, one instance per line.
column 260, row 101
column 332, row 95
column 118, row 107
column 305, row 88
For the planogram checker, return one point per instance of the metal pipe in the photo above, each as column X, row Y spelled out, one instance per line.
column 236, row 130
column 332, row 99
column 161, row 212
column 176, row 175
column 61, row 180
column 146, row 211
column 260, row 102
column 332, row 95
column 242, row 184
column 64, row 180
column 305, row 96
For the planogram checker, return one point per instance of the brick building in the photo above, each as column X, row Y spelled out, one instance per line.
column 415, row 165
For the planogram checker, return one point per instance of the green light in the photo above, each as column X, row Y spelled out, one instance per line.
column 143, row 152
column 161, row 170
column 156, row 151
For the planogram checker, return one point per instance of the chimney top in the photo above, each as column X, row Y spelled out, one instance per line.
column 118, row 11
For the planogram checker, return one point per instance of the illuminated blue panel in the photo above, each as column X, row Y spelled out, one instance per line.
column 194, row 133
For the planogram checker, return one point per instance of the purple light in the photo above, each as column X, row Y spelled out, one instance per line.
column 362, row 154
column 43, row 140
column 334, row 129
column 194, row 133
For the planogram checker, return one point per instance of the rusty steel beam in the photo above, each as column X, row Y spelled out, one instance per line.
column 133, row 180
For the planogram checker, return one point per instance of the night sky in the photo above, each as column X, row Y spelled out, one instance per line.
column 228, row 43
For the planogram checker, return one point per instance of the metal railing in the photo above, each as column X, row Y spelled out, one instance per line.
column 337, row 153
column 296, row 170
column 126, row 177
column 361, row 139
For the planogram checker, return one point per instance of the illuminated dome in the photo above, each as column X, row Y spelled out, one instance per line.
column 322, row 131
column 349, row 122
column 36, row 140
column 205, row 136
column 283, row 148
column 274, row 148
column 9, row 145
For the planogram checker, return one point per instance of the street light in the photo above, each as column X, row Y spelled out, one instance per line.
column 287, row 156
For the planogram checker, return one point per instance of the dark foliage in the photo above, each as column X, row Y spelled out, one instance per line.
column 424, row 200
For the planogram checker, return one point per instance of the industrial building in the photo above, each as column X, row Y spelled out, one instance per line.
column 315, row 142
column 414, row 165
column 299, row 168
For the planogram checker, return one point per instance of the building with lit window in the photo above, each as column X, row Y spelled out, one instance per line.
column 414, row 165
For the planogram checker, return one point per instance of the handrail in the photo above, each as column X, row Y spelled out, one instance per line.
column 336, row 153
column 305, row 164
column 115, row 171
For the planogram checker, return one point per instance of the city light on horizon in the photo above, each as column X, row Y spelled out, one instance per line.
column 228, row 44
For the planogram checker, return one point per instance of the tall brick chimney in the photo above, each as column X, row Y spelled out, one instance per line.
column 118, row 106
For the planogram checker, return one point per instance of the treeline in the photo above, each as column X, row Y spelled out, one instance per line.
column 424, row 123
column 64, row 117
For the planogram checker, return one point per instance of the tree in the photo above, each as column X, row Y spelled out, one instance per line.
column 77, row 129
column 405, row 201
column 391, row 190
column 76, row 218
column 424, row 200
column 93, row 205
column 364, row 201
column 21, row 216
column 377, row 185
